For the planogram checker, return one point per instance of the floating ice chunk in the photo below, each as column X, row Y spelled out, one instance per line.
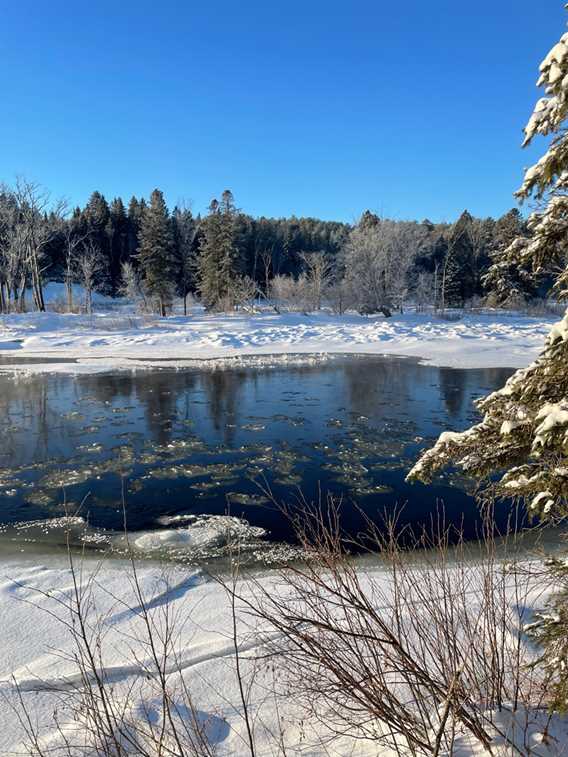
column 202, row 533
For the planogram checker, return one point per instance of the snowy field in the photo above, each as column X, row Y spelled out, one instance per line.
column 36, row 653
column 117, row 339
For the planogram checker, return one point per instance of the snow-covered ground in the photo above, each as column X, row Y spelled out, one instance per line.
column 35, row 649
column 36, row 653
column 111, row 339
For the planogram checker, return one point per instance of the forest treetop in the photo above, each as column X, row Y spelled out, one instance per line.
column 113, row 247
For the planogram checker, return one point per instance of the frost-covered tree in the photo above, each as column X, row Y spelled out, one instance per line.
column 377, row 257
column 90, row 266
column 523, row 437
column 319, row 272
column 507, row 282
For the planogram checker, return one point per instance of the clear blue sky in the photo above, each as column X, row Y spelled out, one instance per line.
column 412, row 108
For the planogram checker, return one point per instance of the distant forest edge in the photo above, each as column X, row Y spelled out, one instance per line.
column 151, row 255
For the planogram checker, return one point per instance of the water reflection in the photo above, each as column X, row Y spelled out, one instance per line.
column 191, row 440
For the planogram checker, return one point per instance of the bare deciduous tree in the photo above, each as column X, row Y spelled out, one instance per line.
column 377, row 258
column 318, row 271
column 89, row 264
column 39, row 223
column 73, row 240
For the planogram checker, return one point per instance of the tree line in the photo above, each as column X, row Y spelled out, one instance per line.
column 227, row 258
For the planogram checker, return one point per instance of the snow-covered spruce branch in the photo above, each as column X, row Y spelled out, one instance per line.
column 524, row 434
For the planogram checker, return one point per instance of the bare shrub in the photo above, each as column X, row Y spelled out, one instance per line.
column 425, row 649
column 244, row 292
column 417, row 649
column 133, row 288
column 290, row 293
column 94, row 717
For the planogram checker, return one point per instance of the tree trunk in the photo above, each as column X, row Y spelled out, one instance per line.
column 69, row 287
column 21, row 297
column 36, row 283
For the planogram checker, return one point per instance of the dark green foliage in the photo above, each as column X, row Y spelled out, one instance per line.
column 459, row 275
column 156, row 252
column 96, row 223
column 508, row 281
column 207, row 254
column 117, row 230
column 186, row 245
column 218, row 253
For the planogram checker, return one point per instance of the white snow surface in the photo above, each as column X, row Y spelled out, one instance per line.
column 36, row 654
column 116, row 339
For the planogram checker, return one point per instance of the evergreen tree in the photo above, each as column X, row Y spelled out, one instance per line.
column 523, row 437
column 217, row 254
column 136, row 209
column 507, row 282
column 155, row 252
column 96, row 217
column 185, row 248
column 118, row 235
column 458, row 275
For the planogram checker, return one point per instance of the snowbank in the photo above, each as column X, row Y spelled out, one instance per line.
column 37, row 654
column 106, row 341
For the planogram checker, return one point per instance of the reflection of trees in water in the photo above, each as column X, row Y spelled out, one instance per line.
column 157, row 392
column 377, row 387
column 223, row 390
column 459, row 388
column 109, row 387
column 31, row 418
column 453, row 386
column 158, row 398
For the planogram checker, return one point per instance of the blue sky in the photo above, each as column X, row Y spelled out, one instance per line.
column 413, row 109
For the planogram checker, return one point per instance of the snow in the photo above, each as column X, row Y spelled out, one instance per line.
column 36, row 654
column 551, row 416
column 203, row 532
column 114, row 340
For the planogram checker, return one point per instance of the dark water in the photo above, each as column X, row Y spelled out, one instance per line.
column 195, row 441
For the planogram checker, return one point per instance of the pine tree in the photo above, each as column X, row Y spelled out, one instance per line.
column 118, row 236
column 458, row 273
column 96, row 217
column 507, row 282
column 523, row 437
column 217, row 254
column 136, row 209
column 155, row 252
column 184, row 236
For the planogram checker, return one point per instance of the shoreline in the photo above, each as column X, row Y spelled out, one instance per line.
column 66, row 343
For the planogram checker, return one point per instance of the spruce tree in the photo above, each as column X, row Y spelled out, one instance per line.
column 217, row 254
column 522, row 440
column 184, row 236
column 155, row 252
column 136, row 210
column 458, row 274
column 118, row 236
column 96, row 223
column 507, row 282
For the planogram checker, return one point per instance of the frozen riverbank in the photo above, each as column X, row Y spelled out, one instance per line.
column 105, row 341
column 38, row 667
